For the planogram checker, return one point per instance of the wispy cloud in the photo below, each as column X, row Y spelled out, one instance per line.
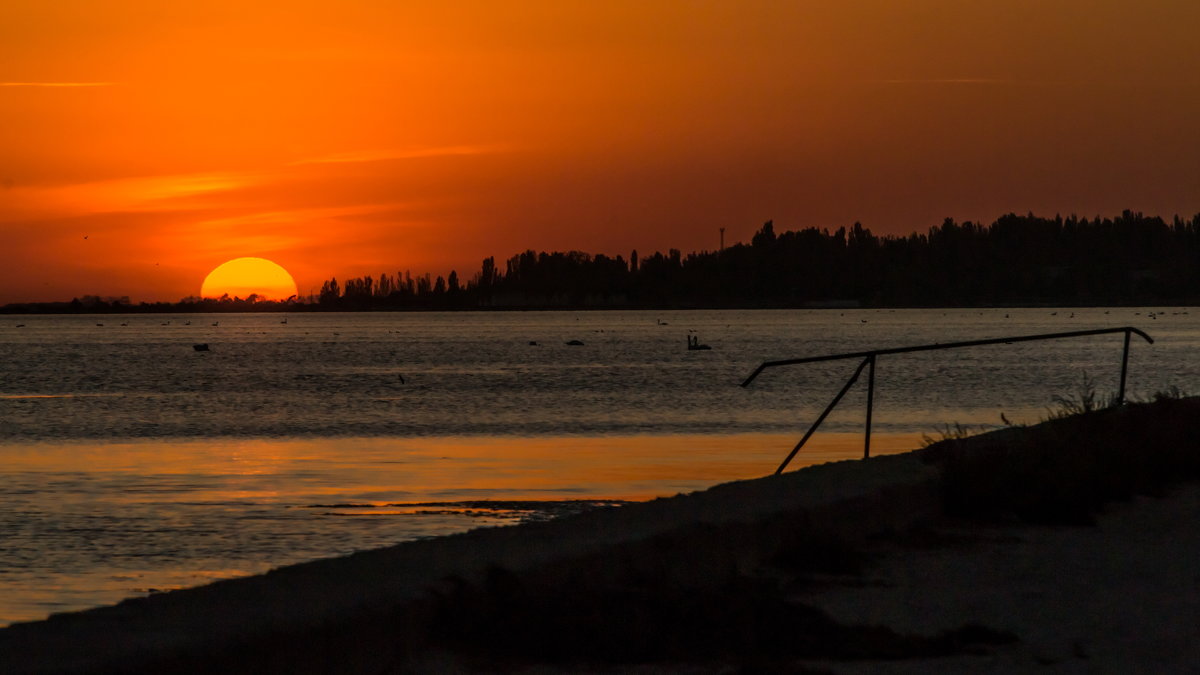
column 290, row 230
column 58, row 84
column 147, row 194
column 302, row 216
column 148, row 191
column 946, row 80
column 406, row 153
column 977, row 81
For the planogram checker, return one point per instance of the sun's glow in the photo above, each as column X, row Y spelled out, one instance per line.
column 242, row 277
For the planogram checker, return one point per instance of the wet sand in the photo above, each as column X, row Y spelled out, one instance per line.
column 847, row 567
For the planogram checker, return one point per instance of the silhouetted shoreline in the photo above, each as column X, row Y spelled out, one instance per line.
column 768, row 573
column 1017, row 261
column 64, row 309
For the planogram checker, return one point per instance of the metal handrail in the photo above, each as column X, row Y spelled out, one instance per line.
column 869, row 357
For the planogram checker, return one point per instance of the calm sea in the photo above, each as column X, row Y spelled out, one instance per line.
column 131, row 462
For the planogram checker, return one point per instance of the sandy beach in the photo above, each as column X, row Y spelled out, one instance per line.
column 1068, row 546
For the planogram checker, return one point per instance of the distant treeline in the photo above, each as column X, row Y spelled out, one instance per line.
column 1017, row 260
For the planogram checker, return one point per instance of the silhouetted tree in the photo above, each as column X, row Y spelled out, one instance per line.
column 330, row 292
column 1018, row 259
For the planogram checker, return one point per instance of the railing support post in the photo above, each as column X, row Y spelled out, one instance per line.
column 870, row 405
column 1124, row 368
column 828, row 409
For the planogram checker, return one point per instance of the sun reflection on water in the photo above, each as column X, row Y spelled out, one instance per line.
column 91, row 524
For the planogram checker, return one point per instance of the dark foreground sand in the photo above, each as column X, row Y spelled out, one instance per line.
column 1071, row 546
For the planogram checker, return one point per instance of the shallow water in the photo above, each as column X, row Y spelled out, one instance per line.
column 131, row 462
column 454, row 374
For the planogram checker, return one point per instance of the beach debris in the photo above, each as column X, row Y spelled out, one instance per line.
column 574, row 343
column 202, row 347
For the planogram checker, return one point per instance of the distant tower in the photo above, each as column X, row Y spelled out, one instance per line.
column 722, row 249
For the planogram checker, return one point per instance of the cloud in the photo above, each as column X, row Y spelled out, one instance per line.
column 165, row 188
column 947, row 80
column 981, row 81
column 153, row 193
column 290, row 230
column 293, row 216
column 408, row 153
column 58, row 84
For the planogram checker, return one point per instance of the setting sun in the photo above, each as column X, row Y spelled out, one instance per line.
column 241, row 277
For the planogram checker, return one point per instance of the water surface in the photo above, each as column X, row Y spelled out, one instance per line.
column 131, row 462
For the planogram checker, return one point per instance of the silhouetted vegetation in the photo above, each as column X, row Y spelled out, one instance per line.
column 1063, row 471
column 1017, row 260
column 90, row 304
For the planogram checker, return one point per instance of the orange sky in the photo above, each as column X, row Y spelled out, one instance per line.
column 354, row 137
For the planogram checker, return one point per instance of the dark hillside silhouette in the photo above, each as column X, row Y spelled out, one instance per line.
column 1017, row 260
